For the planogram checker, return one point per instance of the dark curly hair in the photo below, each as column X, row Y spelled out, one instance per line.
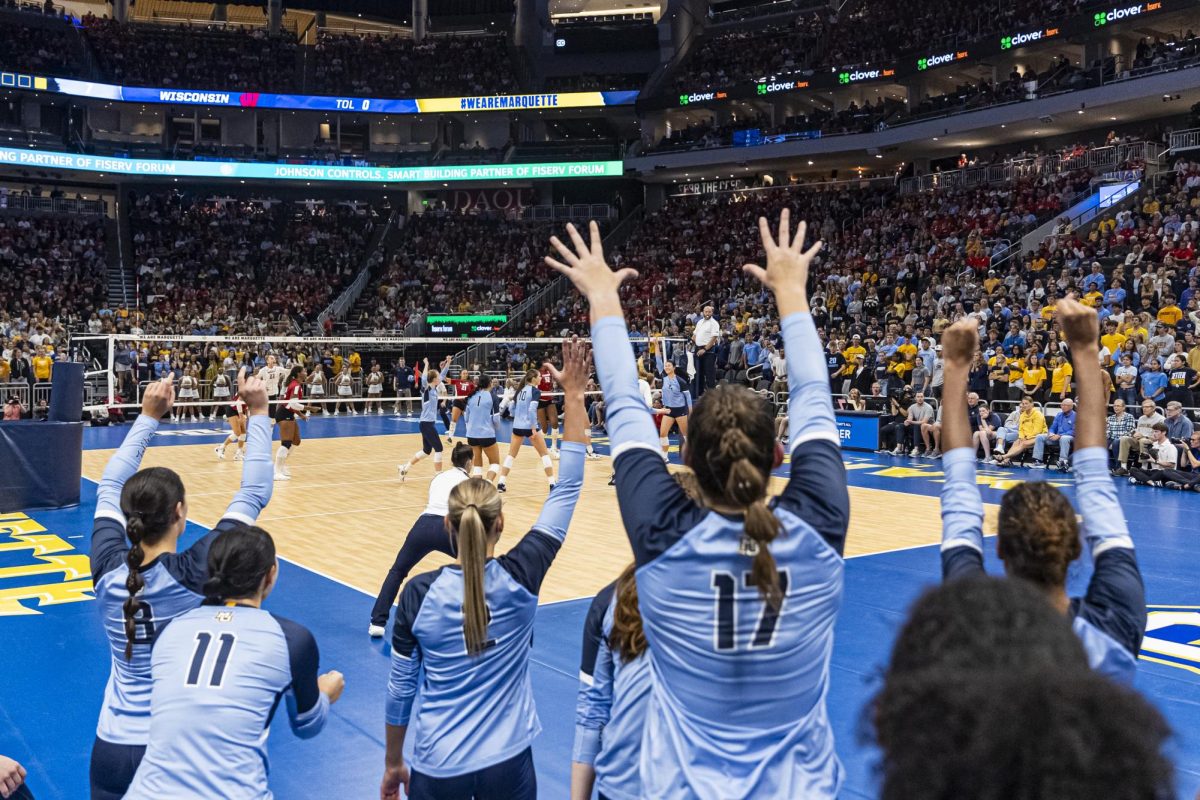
column 1037, row 734
column 1038, row 534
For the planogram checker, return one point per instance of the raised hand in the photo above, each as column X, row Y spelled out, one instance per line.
column 1079, row 323
column 158, row 399
column 959, row 343
column 574, row 373
column 586, row 268
column 786, row 274
column 253, row 392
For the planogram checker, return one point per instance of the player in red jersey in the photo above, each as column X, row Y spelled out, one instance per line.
column 463, row 388
column 289, row 426
column 548, row 410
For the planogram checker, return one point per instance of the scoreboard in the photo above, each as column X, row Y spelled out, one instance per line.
column 464, row 325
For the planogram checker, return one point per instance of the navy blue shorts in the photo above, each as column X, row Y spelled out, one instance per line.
column 430, row 441
column 679, row 411
column 112, row 768
column 519, row 433
column 513, row 779
column 474, row 442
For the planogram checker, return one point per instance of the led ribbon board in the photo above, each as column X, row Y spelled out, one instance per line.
column 465, row 325
column 306, row 172
column 297, row 102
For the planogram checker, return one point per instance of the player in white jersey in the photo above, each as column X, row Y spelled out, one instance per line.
column 525, row 427
column 272, row 376
column 142, row 582
column 428, row 534
column 738, row 597
column 1037, row 535
column 220, row 671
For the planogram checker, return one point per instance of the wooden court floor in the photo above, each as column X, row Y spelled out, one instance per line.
column 345, row 513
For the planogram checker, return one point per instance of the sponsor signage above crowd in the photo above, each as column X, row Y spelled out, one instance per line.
column 919, row 62
column 366, row 105
column 151, row 167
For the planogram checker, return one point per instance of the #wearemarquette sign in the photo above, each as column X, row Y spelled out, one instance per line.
column 367, row 105
column 305, row 172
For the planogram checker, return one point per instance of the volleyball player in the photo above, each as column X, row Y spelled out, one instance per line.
column 219, row 672
column 345, row 390
column 430, row 441
column 272, row 376
column 677, row 399
column 237, row 430
column 739, row 597
column 141, row 581
column 614, row 688
column 481, row 428
column 428, row 534
column 1038, row 538
column 374, row 389
column 547, row 410
column 289, row 425
column 525, row 409
column 468, row 629
column 463, row 389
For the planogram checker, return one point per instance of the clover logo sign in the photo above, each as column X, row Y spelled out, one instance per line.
column 922, row 63
column 683, row 101
column 843, row 77
column 1006, row 43
column 1100, row 19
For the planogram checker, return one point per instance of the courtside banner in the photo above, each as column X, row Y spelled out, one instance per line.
column 306, row 172
column 367, row 105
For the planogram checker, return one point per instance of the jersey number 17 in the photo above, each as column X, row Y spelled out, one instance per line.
column 725, row 622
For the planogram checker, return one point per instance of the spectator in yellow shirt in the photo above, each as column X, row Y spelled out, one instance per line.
column 1092, row 298
column 5, row 370
column 42, row 365
column 1112, row 340
column 855, row 349
column 355, row 364
column 1016, row 373
column 1029, row 425
column 1170, row 313
column 1034, row 378
column 1061, row 373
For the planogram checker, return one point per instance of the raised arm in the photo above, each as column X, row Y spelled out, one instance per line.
column 109, row 543
column 1115, row 599
column 816, row 490
column 531, row 558
column 962, row 507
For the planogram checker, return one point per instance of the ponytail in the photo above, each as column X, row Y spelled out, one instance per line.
column 474, row 508
column 628, row 638
column 731, row 448
column 148, row 501
column 135, row 530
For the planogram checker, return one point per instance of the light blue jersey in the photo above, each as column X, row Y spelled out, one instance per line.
column 479, row 416
column 219, row 673
column 610, row 712
column 525, row 408
column 429, row 400
column 675, row 393
column 1110, row 619
column 737, row 702
column 476, row 710
column 173, row 581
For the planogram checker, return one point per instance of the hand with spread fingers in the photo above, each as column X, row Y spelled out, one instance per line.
column 574, row 373
column 586, row 268
column 786, row 274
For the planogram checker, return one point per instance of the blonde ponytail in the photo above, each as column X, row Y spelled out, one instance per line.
column 474, row 507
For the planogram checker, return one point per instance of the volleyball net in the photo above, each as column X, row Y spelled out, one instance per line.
column 204, row 369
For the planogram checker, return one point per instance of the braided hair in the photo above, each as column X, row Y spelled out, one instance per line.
column 731, row 448
column 148, row 501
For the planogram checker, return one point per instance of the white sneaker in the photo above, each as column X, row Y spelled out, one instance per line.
column 174, row 418
column 593, row 454
column 239, row 455
column 337, row 413
column 376, row 631
column 212, row 417
column 282, row 476
column 354, row 411
column 1037, row 465
column 554, row 452
column 220, row 451
column 403, row 472
column 899, row 451
column 914, row 452
column 936, row 454
column 379, row 411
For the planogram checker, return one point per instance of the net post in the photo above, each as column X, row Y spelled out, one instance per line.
column 112, row 349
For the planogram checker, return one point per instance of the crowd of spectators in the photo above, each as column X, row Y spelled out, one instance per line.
column 49, row 47
column 594, row 82
column 397, row 66
column 193, row 56
column 451, row 262
column 257, row 266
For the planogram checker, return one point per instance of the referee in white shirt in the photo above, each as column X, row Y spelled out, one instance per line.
column 705, row 337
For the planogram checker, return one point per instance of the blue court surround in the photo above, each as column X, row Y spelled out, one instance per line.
column 56, row 661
